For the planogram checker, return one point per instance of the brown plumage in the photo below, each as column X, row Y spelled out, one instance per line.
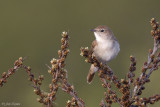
column 105, row 48
column 91, row 73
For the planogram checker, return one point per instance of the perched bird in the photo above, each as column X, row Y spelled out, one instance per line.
column 104, row 48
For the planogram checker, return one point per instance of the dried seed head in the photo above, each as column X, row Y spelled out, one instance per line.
column 49, row 71
column 39, row 100
column 62, row 47
column 53, row 61
column 64, row 34
column 4, row 74
column 152, row 32
column 20, row 58
column 86, row 60
column 29, row 68
column 36, row 91
column 59, row 53
column 150, row 51
column 156, row 37
column 41, row 77
column 122, row 80
column 30, row 79
column 86, row 48
column 132, row 58
column 152, row 56
column 143, row 69
column 50, row 86
column 39, row 82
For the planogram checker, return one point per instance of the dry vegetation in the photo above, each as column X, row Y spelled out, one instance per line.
column 130, row 96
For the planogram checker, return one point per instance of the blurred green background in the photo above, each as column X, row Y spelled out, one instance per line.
column 33, row 28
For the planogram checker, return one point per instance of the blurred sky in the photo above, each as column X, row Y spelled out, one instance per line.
column 33, row 28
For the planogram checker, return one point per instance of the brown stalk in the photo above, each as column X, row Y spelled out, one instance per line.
column 106, row 75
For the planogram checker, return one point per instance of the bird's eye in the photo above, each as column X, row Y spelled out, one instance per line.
column 102, row 30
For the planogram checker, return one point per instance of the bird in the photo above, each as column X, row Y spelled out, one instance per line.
column 105, row 47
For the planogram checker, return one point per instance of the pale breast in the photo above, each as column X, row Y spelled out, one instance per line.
column 106, row 51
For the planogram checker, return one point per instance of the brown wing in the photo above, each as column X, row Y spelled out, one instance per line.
column 94, row 43
column 92, row 68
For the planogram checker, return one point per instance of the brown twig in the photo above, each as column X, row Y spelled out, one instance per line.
column 105, row 73
column 102, row 104
column 59, row 74
column 128, row 99
column 147, row 65
column 59, row 78
column 11, row 71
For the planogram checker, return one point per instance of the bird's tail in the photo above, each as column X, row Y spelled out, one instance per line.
column 91, row 73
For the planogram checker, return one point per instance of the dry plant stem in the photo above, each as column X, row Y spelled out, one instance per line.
column 102, row 104
column 128, row 99
column 36, row 85
column 132, row 68
column 59, row 78
column 136, row 89
column 152, row 69
column 110, row 92
column 19, row 64
column 59, row 74
column 11, row 71
column 131, row 74
column 105, row 73
column 156, row 35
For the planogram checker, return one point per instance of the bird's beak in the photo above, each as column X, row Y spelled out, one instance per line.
column 93, row 30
